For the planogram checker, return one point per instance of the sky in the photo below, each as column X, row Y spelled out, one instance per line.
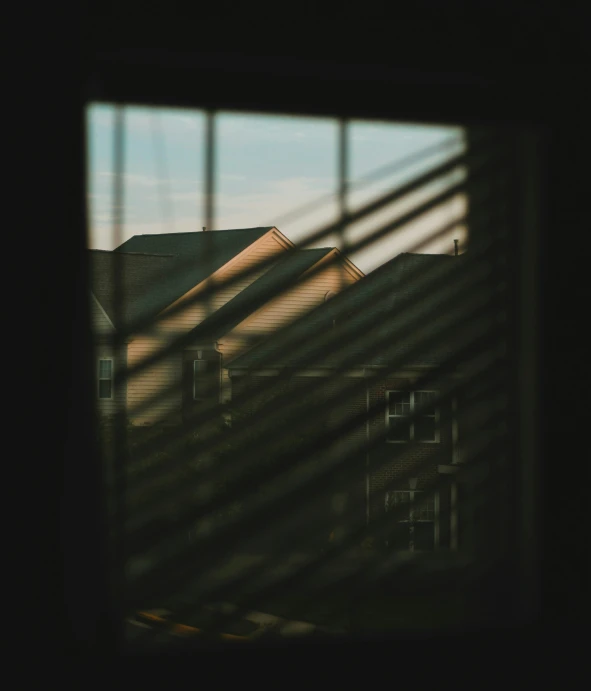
column 266, row 169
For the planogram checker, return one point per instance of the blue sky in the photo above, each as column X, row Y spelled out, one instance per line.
column 266, row 168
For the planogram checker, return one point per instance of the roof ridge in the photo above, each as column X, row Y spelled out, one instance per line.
column 141, row 254
column 427, row 254
column 314, row 249
column 193, row 232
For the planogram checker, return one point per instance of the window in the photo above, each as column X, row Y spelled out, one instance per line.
column 419, row 507
column 414, row 528
column 105, row 378
column 401, row 406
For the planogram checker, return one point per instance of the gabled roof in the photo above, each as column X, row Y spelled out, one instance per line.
column 286, row 271
column 158, row 269
column 211, row 249
column 137, row 273
column 375, row 321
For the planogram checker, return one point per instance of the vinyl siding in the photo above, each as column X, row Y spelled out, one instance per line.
column 195, row 313
column 101, row 326
column 154, row 394
column 281, row 311
column 287, row 307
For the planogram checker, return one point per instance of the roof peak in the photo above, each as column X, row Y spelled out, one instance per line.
column 135, row 254
column 313, row 249
column 194, row 232
column 426, row 254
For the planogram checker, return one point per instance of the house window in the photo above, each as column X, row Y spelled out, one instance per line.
column 401, row 406
column 415, row 520
column 105, row 378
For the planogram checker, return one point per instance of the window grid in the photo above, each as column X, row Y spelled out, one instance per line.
column 105, row 378
column 421, row 508
column 401, row 405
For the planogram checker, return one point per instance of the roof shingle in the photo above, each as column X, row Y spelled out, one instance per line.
column 155, row 270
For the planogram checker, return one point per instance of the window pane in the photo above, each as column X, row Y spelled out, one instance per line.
column 104, row 388
column 200, row 366
column 105, row 369
column 424, row 509
column 399, row 397
column 425, row 429
column 422, row 400
column 399, row 502
column 398, row 429
column 399, row 403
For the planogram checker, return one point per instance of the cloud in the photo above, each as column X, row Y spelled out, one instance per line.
column 149, row 181
column 100, row 235
column 275, row 200
column 130, row 178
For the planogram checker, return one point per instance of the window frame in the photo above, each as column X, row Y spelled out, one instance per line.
column 412, row 502
column 412, row 438
column 109, row 379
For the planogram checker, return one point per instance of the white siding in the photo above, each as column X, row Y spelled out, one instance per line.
column 288, row 306
column 195, row 313
column 163, row 381
column 100, row 324
column 281, row 311
column 154, row 393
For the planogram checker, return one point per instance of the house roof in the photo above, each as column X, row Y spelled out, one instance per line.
column 388, row 316
column 136, row 271
column 157, row 269
column 214, row 247
column 279, row 277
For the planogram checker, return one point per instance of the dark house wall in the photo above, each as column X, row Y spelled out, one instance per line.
column 392, row 464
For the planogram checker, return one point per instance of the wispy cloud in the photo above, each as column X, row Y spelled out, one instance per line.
column 130, row 178
column 140, row 180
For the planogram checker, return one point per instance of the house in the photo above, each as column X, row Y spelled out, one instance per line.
column 392, row 360
column 170, row 310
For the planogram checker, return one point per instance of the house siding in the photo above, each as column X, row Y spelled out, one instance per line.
column 369, row 471
column 155, row 394
column 164, row 379
column 101, row 326
column 292, row 304
column 195, row 313
column 279, row 312
column 341, row 505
